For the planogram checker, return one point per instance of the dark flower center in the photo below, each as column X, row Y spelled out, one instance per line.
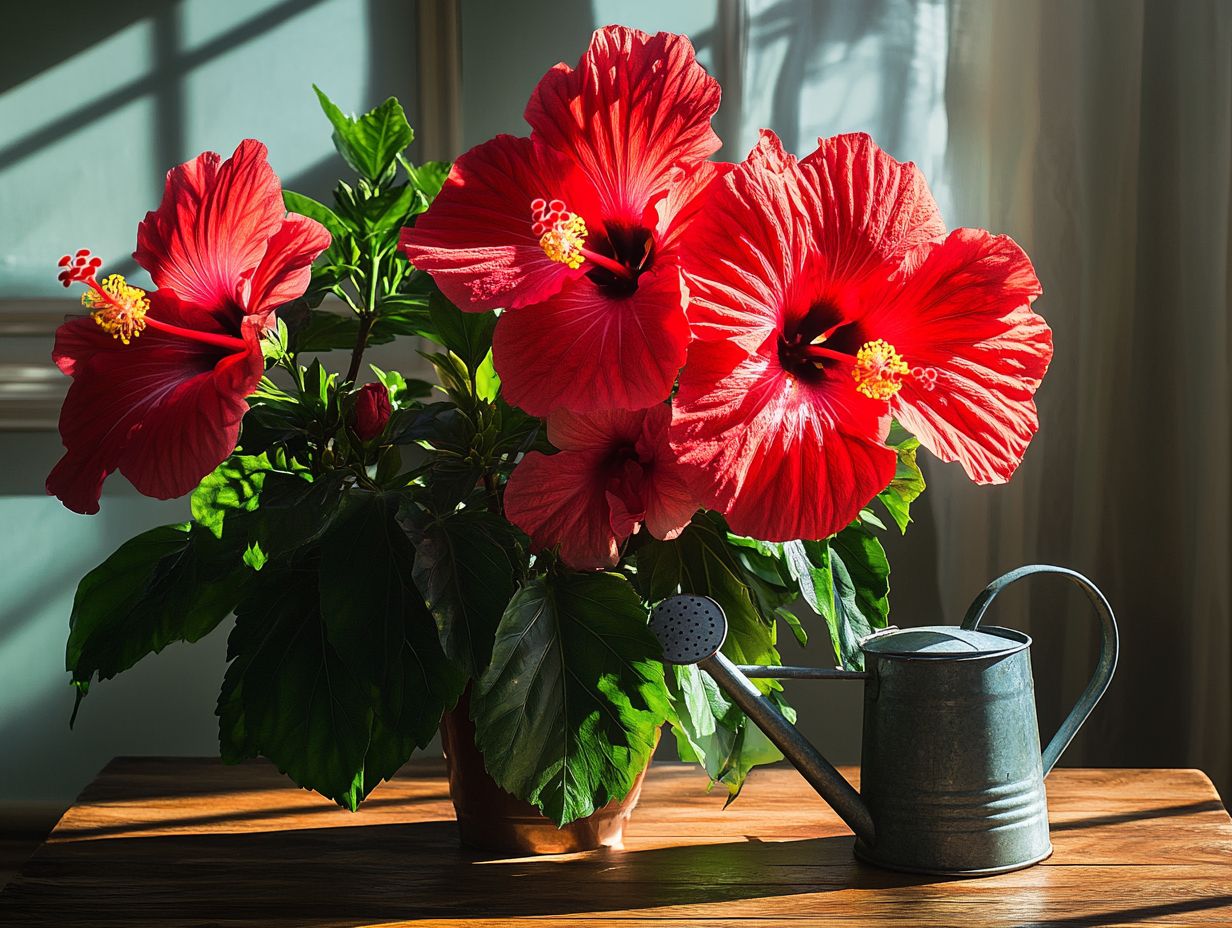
column 631, row 247
column 819, row 343
column 627, row 473
column 616, row 256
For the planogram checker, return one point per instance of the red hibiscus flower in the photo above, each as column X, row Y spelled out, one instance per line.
column 575, row 230
column 614, row 472
column 827, row 298
column 159, row 379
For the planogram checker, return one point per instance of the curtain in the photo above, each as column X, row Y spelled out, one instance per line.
column 1098, row 134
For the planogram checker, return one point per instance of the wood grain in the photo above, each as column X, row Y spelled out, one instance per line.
column 191, row 842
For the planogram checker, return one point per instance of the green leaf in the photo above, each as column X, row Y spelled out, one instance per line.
column 428, row 178
column 566, row 713
column 707, row 561
column 710, row 730
column 468, row 335
column 326, row 330
column 861, row 591
column 274, row 343
column 254, row 557
column 487, row 381
column 809, row 563
column 389, row 209
column 293, row 512
column 907, row 485
column 307, row 206
column 233, row 486
column 792, row 621
column 846, row 581
column 378, row 624
column 422, row 423
column 173, row 583
column 401, row 391
column 701, row 562
column 464, row 567
column 371, row 142
column 287, row 694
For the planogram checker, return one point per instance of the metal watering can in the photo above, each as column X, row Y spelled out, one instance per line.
column 952, row 776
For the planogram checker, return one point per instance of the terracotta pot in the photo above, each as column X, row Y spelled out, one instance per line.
column 491, row 819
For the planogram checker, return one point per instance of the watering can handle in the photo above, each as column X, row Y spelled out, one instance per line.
column 1109, row 646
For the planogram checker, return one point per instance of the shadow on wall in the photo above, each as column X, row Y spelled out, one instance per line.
column 200, row 60
column 187, row 84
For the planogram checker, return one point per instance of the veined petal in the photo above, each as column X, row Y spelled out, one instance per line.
column 749, row 250
column 596, row 431
column 616, row 472
column 163, row 409
column 586, row 350
column 477, row 239
column 965, row 313
column 286, row 266
column 213, row 225
column 780, row 458
column 635, row 106
column 875, row 210
column 561, row 499
column 685, row 201
column 669, row 501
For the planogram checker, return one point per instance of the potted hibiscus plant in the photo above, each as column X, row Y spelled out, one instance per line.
column 653, row 373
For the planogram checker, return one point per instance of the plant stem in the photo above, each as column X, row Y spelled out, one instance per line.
column 361, row 342
column 489, row 486
column 366, row 320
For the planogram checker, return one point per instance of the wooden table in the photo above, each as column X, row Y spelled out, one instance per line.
column 160, row 842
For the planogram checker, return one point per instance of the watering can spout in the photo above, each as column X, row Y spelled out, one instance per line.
column 691, row 629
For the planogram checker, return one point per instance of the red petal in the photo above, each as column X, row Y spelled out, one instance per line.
column 685, row 201
column 966, row 313
column 286, row 267
column 213, row 225
column 561, row 500
column 669, row 501
column 636, row 105
column 778, row 236
column 780, row 458
column 875, row 209
column 477, row 241
column 600, row 430
column 751, row 247
column 586, row 351
column 164, row 410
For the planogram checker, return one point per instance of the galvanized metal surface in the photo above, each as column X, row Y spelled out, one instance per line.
column 1109, row 648
column 952, row 776
column 950, row 764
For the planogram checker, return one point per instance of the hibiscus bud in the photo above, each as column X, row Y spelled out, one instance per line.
column 371, row 411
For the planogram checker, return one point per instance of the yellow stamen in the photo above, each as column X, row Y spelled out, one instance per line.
column 563, row 240
column 118, row 308
column 878, row 370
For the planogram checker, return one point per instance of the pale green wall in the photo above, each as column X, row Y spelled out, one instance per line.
column 96, row 102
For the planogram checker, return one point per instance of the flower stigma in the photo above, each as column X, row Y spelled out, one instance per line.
column 562, row 234
column 878, row 370
column 118, row 307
